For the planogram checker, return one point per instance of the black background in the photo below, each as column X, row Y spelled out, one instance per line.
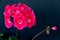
column 47, row 13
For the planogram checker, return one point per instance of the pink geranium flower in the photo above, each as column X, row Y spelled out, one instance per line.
column 23, row 16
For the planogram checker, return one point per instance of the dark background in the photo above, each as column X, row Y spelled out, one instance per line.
column 47, row 13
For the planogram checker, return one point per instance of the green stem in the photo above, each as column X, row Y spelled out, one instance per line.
column 41, row 32
column 16, row 34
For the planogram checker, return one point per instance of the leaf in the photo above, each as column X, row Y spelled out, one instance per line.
column 12, row 38
column 1, row 34
column 0, row 38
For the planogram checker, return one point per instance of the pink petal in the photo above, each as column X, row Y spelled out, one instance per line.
column 8, row 23
column 54, row 28
column 20, row 22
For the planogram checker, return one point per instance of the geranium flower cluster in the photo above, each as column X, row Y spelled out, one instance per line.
column 22, row 16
